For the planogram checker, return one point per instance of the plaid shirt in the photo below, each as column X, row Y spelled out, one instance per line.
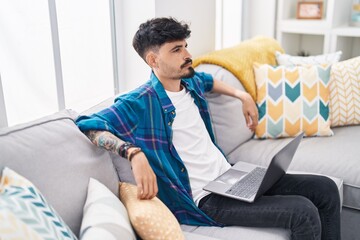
column 144, row 117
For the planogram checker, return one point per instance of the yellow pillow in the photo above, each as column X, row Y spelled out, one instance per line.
column 292, row 100
column 151, row 219
column 345, row 93
column 239, row 59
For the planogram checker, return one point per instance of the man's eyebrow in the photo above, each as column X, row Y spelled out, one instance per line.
column 177, row 46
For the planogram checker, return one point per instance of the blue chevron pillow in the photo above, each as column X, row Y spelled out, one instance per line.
column 292, row 100
column 24, row 212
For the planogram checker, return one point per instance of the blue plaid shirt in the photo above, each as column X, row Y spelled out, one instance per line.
column 144, row 117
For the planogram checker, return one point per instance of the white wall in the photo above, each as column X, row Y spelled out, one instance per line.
column 240, row 20
column 133, row 71
column 259, row 18
column 200, row 14
column 3, row 117
column 231, row 22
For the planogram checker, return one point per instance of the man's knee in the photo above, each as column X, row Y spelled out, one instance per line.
column 327, row 192
column 306, row 220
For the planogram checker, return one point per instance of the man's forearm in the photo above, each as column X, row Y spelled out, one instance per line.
column 105, row 140
column 144, row 175
column 248, row 105
column 226, row 89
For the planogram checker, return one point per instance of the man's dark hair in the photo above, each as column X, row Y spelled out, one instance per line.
column 155, row 32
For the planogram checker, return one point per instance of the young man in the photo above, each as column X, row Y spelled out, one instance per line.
column 164, row 129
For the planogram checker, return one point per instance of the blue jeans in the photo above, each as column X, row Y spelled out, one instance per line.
column 308, row 205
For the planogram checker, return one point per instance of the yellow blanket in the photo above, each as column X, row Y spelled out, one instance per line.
column 239, row 59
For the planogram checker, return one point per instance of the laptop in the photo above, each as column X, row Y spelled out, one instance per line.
column 248, row 182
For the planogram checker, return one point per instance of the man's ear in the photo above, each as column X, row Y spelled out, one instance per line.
column 151, row 59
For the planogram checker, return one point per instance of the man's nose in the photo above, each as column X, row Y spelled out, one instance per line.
column 187, row 54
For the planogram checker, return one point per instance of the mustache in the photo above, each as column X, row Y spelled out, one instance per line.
column 187, row 61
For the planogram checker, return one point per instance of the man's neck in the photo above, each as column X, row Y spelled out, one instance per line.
column 172, row 85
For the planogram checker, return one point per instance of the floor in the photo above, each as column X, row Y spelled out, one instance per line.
column 350, row 224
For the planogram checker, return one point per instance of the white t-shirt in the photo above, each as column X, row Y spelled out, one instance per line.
column 203, row 160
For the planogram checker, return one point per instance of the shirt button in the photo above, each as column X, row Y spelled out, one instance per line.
column 183, row 169
column 169, row 123
column 172, row 112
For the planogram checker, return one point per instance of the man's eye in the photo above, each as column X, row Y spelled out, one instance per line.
column 177, row 50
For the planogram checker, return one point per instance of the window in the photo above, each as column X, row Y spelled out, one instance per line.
column 54, row 54
column 26, row 60
column 86, row 54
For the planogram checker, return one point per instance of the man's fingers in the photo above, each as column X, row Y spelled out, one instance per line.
column 151, row 191
column 247, row 119
column 154, row 188
column 145, row 190
column 145, row 177
column 254, row 120
column 139, row 190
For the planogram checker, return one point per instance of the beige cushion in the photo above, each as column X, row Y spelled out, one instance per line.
column 151, row 219
column 345, row 93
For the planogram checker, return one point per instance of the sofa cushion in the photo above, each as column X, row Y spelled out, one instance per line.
column 151, row 219
column 229, row 126
column 288, row 60
column 25, row 213
column 292, row 100
column 345, row 93
column 336, row 156
column 57, row 158
column 105, row 217
column 243, row 233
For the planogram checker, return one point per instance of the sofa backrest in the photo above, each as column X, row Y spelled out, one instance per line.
column 229, row 123
column 59, row 160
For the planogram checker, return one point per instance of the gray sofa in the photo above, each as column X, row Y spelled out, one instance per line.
column 53, row 154
column 58, row 159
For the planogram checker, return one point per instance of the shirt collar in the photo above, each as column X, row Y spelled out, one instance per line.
column 165, row 101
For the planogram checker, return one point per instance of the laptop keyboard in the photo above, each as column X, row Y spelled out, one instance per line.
column 248, row 185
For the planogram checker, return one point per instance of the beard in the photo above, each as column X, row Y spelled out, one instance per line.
column 190, row 74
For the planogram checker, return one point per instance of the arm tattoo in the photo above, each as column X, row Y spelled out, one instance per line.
column 105, row 140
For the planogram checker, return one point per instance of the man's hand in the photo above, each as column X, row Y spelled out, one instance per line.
column 249, row 110
column 143, row 173
column 144, row 176
column 248, row 105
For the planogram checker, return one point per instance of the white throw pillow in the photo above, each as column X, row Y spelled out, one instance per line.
column 288, row 60
column 105, row 217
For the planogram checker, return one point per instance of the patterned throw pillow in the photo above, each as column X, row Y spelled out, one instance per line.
column 345, row 93
column 105, row 217
column 291, row 100
column 288, row 60
column 151, row 219
column 24, row 212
